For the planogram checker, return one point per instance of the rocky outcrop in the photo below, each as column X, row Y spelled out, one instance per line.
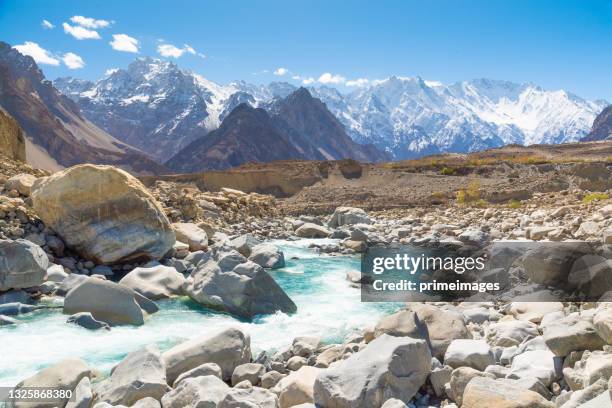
column 347, row 216
column 22, row 264
column 389, row 367
column 12, row 139
column 602, row 127
column 107, row 301
column 104, row 214
column 227, row 348
column 243, row 288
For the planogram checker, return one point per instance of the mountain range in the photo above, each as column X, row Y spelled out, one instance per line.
column 159, row 108
column 56, row 133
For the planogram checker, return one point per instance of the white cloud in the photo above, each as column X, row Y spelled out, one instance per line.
column 73, row 61
column 40, row 55
column 46, row 24
column 328, row 78
column 125, row 43
column 433, row 83
column 281, row 71
column 80, row 33
column 88, row 22
column 110, row 71
column 359, row 82
column 308, row 81
column 296, row 77
column 172, row 51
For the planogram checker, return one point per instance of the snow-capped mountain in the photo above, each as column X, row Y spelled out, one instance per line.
column 411, row 117
column 160, row 109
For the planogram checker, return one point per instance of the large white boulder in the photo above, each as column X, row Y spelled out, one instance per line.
column 471, row 353
column 23, row 264
column 389, row 367
column 267, row 256
column 204, row 392
column 483, row 392
column 103, row 213
column 227, row 348
column 192, row 235
column 297, row 388
column 310, row 230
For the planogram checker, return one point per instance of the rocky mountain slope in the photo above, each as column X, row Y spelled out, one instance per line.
column 57, row 133
column 12, row 139
column 602, row 126
column 155, row 101
column 296, row 127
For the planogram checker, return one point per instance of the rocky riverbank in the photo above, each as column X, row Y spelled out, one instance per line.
column 97, row 243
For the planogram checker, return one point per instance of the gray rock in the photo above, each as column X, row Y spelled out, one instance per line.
column 309, row 230
column 228, row 348
column 483, row 392
column 87, row 321
column 394, row 403
column 551, row 264
column 249, row 398
column 65, row 375
column 56, row 273
column 471, row 353
column 141, row 374
column 348, row 216
column 251, row 372
column 244, row 244
column 246, row 290
column 460, row 377
column 539, row 364
column 191, row 235
column 267, row 256
column 106, row 301
column 592, row 275
column 389, row 367
column 200, row 371
column 23, row 264
column 510, row 333
column 83, row 395
column 573, row 333
column 198, row 392
column 71, row 281
column 157, row 282
column 271, row 378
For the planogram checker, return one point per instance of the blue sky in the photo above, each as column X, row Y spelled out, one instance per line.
column 555, row 44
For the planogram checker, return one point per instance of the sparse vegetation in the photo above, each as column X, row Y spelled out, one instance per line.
column 589, row 198
column 447, row 171
column 471, row 194
column 514, row 204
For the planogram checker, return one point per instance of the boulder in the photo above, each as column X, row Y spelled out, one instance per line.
column 200, row 371
column 534, row 311
column 198, row 392
column 426, row 322
column 591, row 367
column 510, row 333
column 439, row 377
column 23, row 264
column 603, row 324
column 389, row 367
column 249, row 398
column 310, row 230
column 471, row 353
column 141, row 374
column 539, row 364
column 21, row 182
column 551, row 264
column 244, row 244
column 246, row 290
column 297, row 388
column 83, row 395
column 271, row 378
column 267, row 256
column 106, row 301
column 64, row 375
column 348, row 216
column 104, row 214
column 460, row 377
column 191, row 235
column 71, row 281
column 227, row 348
column 592, row 275
column 394, row 403
column 484, row 392
column 87, row 321
column 251, row 372
column 156, row 282
column 572, row 333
